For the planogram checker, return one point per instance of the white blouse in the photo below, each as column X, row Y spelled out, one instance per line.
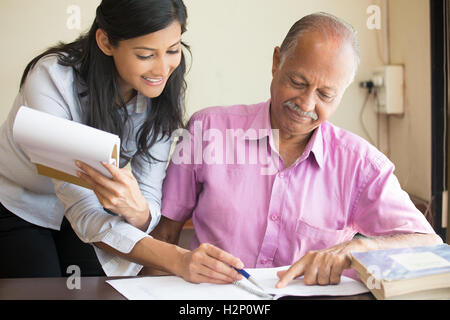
column 40, row 200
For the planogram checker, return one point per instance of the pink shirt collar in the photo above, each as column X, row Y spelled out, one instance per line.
column 261, row 123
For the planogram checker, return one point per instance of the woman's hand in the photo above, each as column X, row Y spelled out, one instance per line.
column 209, row 264
column 121, row 194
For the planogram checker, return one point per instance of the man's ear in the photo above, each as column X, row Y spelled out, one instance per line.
column 276, row 60
column 103, row 42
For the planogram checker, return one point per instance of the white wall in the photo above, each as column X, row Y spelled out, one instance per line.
column 410, row 137
column 27, row 28
column 232, row 44
column 233, row 41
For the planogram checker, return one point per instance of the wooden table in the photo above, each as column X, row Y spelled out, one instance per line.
column 91, row 288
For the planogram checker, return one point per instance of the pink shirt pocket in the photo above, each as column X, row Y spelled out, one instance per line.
column 314, row 238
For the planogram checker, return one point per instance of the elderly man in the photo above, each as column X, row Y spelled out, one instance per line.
column 328, row 184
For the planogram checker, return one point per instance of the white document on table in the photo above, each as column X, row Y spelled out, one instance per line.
column 175, row 288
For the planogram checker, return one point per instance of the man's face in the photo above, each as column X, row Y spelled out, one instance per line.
column 309, row 84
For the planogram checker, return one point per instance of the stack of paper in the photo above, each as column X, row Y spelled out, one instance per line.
column 53, row 144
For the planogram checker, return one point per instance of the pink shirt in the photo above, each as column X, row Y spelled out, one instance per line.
column 340, row 186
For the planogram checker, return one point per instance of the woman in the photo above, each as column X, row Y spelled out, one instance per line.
column 125, row 76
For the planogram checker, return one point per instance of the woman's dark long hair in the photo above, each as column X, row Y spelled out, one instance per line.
column 96, row 73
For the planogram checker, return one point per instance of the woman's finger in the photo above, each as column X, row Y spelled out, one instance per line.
column 215, row 263
column 115, row 171
column 214, row 274
column 95, row 186
column 199, row 278
column 95, row 176
column 223, row 256
column 104, row 195
column 83, row 176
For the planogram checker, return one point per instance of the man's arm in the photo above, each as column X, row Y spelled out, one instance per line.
column 384, row 212
column 168, row 230
column 325, row 267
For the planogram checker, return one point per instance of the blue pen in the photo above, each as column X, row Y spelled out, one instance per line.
column 248, row 277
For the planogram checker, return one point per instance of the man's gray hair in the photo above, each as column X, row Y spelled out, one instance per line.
column 329, row 25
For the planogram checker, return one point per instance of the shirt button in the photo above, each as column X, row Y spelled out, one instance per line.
column 274, row 218
column 280, row 174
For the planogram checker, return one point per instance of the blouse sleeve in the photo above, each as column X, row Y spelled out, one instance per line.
column 150, row 175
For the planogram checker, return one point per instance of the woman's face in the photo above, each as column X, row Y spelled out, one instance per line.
column 145, row 63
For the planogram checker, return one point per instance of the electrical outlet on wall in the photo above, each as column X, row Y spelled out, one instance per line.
column 388, row 81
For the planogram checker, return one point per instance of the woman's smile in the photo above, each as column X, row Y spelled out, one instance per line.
column 153, row 81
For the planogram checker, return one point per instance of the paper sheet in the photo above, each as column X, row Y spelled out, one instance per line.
column 175, row 288
column 56, row 143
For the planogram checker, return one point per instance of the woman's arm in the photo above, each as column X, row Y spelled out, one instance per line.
column 168, row 231
column 133, row 194
column 120, row 194
column 207, row 263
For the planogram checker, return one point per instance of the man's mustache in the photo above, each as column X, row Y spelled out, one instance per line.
column 309, row 114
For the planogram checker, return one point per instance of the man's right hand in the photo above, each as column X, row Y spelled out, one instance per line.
column 209, row 264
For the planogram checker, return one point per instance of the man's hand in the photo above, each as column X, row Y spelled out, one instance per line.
column 321, row 267
column 121, row 194
column 326, row 266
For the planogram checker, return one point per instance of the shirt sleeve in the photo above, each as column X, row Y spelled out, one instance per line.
column 181, row 186
column 150, row 176
column 93, row 224
column 383, row 208
column 47, row 89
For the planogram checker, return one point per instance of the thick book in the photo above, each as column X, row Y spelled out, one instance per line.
column 405, row 273
column 53, row 144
